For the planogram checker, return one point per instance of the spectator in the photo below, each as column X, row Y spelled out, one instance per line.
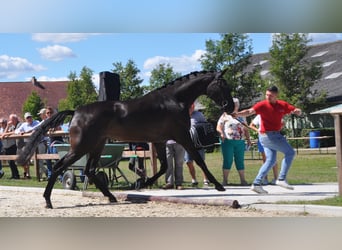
column 255, row 125
column 52, row 140
column 42, row 147
column 232, row 136
column 272, row 112
column 26, row 128
column 140, row 169
column 10, row 145
column 3, row 124
column 175, row 160
column 195, row 117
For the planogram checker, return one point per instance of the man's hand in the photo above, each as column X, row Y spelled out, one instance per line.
column 297, row 112
column 234, row 114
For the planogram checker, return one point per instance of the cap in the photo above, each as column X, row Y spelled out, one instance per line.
column 42, row 111
column 27, row 114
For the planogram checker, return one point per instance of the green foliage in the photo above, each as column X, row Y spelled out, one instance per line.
column 129, row 80
column 81, row 90
column 233, row 51
column 33, row 104
column 294, row 75
column 161, row 75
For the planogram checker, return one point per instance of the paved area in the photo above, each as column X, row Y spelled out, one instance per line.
column 244, row 197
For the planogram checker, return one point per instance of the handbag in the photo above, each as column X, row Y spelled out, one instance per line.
column 203, row 135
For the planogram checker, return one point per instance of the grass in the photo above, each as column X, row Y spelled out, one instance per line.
column 309, row 166
column 335, row 201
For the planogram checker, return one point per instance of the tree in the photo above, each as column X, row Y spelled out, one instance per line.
column 80, row 90
column 293, row 74
column 33, row 104
column 233, row 51
column 129, row 80
column 162, row 75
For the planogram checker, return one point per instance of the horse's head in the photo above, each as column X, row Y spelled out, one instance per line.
column 219, row 91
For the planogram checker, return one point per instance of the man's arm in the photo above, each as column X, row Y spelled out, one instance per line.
column 244, row 113
column 252, row 126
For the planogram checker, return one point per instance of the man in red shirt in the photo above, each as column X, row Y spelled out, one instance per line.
column 272, row 111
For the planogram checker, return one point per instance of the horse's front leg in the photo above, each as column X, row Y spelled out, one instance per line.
column 161, row 152
column 90, row 173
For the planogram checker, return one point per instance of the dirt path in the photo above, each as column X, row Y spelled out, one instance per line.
column 28, row 202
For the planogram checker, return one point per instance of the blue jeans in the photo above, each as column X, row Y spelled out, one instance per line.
column 273, row 142
column 188, row 158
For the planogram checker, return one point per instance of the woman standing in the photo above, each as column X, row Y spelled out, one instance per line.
column 232, row 137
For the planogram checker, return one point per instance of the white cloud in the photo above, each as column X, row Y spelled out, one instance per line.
column 324, row 37
column 181, row 64
column 96, row 80
column 12, row 67
column 56, row 53
column 60, row 37
column 48, row 78
column 320, row 37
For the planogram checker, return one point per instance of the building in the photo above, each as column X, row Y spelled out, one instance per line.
column 329, row 54
column 14, row 94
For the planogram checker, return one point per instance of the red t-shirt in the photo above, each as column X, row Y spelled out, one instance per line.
column 272, row 114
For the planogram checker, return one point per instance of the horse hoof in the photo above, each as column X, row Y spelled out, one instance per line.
column 220, row 188
column 148, row 182
column 139, row 184
column 48, row 205
column 112, row 199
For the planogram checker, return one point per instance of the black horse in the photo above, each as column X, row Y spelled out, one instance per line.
column 155, row 117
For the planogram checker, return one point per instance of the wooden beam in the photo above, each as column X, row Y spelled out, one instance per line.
column 51, row 134
column 338, row 140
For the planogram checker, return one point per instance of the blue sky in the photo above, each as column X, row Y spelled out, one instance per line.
column 52, row 56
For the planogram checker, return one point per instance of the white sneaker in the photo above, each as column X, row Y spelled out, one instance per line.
column 258, row 189
column 284, row 184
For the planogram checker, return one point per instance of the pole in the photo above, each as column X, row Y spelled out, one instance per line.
column 338, row 140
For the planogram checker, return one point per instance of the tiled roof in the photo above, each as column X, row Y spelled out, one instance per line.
column 14, row 94
column 329, row 54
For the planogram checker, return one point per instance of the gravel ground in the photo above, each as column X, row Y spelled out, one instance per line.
column 28, row 202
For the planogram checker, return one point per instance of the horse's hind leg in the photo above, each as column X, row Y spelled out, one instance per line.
column 90, row 172
column 57, row 170
column 161, row 152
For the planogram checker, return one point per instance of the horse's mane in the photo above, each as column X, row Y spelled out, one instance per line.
column 184, row 78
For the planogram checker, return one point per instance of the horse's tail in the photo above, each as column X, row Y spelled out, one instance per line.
column 32, row 143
